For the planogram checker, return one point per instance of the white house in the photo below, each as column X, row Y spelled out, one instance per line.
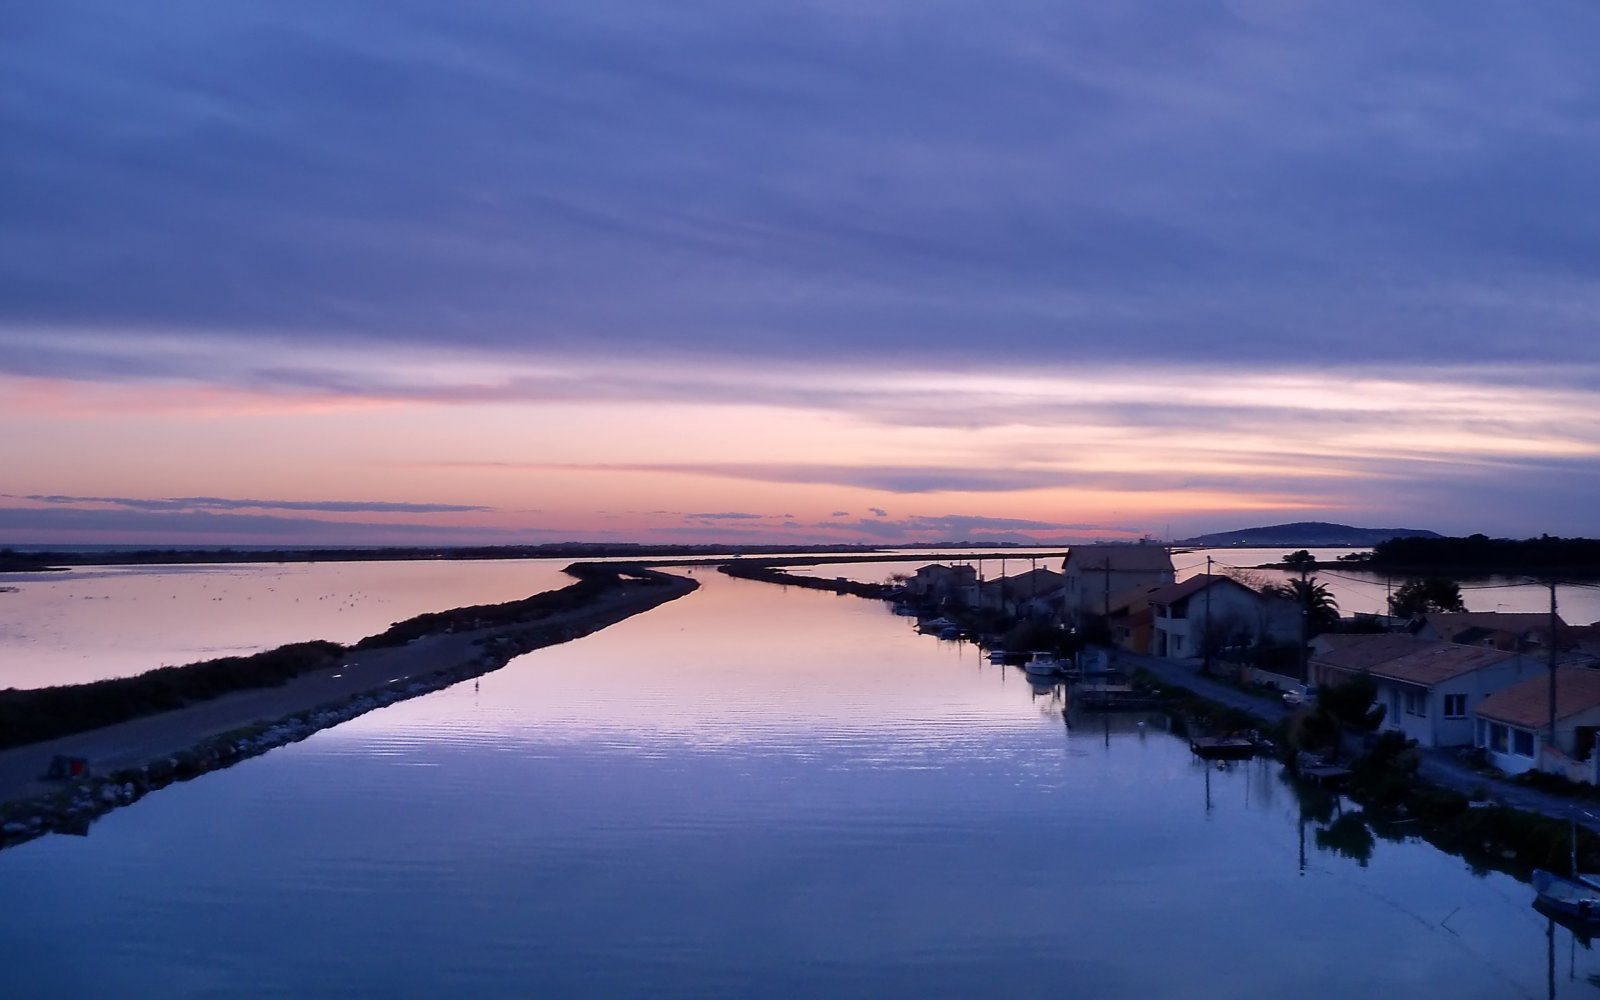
column 1012, row 594
column 938, row 582
column 1431, row 690
column 1095, row 573
column 1512, row 724
column 1220, row 607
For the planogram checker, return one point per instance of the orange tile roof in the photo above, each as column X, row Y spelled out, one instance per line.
column 1528, row 704
column 1356, row 653
column 1405, row 658
column 1175, row 592
column 1436, row 662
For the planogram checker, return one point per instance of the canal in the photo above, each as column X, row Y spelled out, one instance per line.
column 758, row 790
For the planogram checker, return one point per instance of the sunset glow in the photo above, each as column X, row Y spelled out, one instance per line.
column 612, row 280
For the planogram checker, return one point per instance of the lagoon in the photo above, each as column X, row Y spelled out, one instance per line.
column 757, row 790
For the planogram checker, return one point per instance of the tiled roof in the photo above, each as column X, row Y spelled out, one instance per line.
column 1449, row 623
column 1175, row 592
column 1119, row 558
column 1436, row 662
column 1356, row 653
column 1133, row 596
column 1528, row 704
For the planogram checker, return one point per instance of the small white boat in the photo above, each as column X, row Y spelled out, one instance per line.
column 935, row 625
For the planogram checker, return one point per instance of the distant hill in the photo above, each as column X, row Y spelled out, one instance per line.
column 1305, row 535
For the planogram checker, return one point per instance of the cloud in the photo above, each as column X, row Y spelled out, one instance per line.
column 1299, row 253
column 878, row 512
column 222, row 503
column 734, row 516
column 79, row 525
column 1328, row 185
column 963, row 527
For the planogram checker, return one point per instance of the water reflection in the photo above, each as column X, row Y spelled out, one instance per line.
column 753, row 791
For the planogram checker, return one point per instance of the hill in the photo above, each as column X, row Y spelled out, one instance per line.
column 1305, row 534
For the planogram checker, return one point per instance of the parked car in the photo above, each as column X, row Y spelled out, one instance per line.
column 1301, row 694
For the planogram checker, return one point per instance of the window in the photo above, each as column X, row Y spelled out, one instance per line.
column 1455, row 706
column 1522, row 743
column 1416, row 702
column 1497, row 737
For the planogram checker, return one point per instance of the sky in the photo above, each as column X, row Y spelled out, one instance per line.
column 388, row 271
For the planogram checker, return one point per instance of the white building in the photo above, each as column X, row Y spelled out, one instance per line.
column 1513, row 724
column 1096, row 573
column 1429, row 690
column 1221, row 607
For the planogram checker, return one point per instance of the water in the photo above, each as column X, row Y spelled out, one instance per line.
column 89, row 623
column 754, row 791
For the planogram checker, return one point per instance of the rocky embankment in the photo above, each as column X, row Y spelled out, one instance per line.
column 609, row 594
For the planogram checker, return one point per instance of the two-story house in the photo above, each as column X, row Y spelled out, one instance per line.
column 1093, row 574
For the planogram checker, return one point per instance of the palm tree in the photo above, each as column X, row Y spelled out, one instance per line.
column 1315, row 600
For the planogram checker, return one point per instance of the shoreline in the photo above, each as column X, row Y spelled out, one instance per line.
column 130, row 759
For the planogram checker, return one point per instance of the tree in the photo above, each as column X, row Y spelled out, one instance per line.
column 1349, row 705
column 1416, row 597
column 1315, row 600
column 1300, row 559
column 1252, row 578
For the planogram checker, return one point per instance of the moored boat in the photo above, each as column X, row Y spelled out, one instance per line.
column 1575, row 899
column 1042, row 665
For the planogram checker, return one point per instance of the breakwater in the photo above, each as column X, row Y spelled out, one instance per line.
column 766, row 572
column 472, row 642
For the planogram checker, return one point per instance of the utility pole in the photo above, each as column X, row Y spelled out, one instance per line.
column 1552, row 666
column 1305, row 616
column 1107, row 567
column 1205, row 633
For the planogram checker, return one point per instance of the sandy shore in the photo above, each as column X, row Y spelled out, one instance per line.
column 138, row 742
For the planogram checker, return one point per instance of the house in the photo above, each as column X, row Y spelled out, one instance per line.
column 1011, row 594
column 937, row 583
column 1429, row 690
column 1582, row 639
column 1218, row 611
column 1501, row 630
column 1514, row 723
column 1093, row 573
column 1132, row 620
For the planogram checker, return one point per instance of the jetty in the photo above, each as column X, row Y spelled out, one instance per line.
column 126, row 760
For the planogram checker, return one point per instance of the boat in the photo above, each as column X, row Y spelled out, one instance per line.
column 1042, row 665
column 1573, row 898
column 1223, row 747
column 1113, row 698
column 935, row 625
column 998, row 655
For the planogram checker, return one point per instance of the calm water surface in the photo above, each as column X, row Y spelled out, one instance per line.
column 754, row 791
column 93, row 622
